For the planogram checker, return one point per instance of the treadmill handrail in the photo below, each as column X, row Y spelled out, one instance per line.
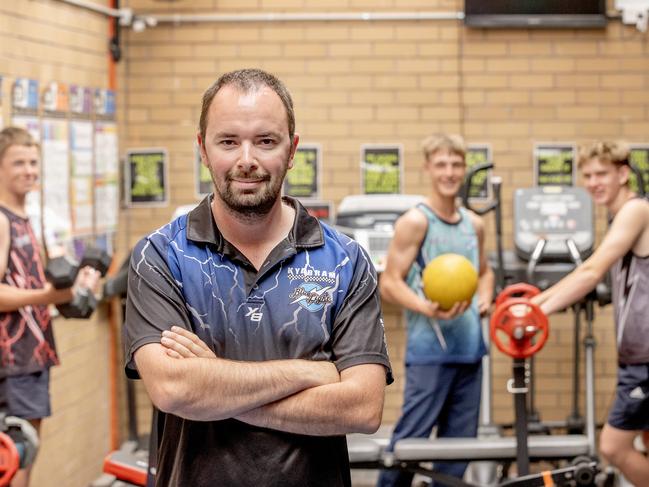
column 467, row 186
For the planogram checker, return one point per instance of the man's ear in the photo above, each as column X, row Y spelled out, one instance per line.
column 624, row 173
column 294, row 143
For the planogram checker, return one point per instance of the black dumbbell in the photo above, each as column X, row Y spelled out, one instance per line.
column 62, row 271
column 96, row 258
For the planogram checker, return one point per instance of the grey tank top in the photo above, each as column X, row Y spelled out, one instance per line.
column 630, row 279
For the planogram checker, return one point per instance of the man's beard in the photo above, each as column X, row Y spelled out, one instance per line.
column 251, row 204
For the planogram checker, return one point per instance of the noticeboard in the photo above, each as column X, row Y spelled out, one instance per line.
column 381, row 169
column 554, row 164
column 303, row 179
column 146, row 177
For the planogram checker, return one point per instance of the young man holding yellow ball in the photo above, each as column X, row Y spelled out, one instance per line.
column 445, row 347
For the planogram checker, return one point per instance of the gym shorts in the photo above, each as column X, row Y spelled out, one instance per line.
column 27, row 396
column 630, row 409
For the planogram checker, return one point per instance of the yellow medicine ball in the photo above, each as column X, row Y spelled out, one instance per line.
column 448, row 279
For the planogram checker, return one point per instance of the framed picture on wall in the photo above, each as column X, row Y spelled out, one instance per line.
column 303, row 179
column 555, row 164
column 639, row 158
column 476, row 155
column 146, row 177
column 204, row 185
column 381, row 168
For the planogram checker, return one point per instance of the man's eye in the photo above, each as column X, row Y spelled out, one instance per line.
column 227, row 142
column 267, row 141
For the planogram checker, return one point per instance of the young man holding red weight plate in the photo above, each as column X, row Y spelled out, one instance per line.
column 625, row 252
column 445, row 347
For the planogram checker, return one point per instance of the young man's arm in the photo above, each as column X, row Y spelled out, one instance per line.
column 486, row 276
column 211, row 389
column 14, row 297
column 628, row 225
column 353, row 405
column 409, row 232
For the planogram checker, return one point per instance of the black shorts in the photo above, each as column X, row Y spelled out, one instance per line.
column 26, row 396
column 630, row 410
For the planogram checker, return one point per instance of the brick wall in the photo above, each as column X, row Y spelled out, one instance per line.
column 357, row 82
column 50, row 41
column 354, row 82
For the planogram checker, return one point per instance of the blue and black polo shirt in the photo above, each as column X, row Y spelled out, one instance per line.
column 315, row 297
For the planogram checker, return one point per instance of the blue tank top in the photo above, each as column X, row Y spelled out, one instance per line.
column 458, row 340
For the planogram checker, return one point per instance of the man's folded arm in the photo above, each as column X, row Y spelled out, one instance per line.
column 353, row 405
column 210, row 389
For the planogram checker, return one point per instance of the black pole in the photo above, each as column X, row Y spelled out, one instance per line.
column 519, row 390
column 574, row 422
column 500, row 272
column 114, row 47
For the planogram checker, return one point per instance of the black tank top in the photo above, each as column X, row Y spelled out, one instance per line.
column 26, row 339
column 630, row 279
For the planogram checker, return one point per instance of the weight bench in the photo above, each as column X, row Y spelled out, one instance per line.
column 366, row 451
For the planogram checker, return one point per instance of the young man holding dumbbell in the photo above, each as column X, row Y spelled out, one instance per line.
column 625, row 253
column 444, row 348
column 27, row 349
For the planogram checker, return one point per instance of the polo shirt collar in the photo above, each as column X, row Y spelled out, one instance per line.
column 201, row 227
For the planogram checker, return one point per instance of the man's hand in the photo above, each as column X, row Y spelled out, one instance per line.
column 181, row 343
column 57, row 296
column 87, row 278
column 432, row 310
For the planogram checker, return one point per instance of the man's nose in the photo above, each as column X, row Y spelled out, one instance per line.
column 247, row 159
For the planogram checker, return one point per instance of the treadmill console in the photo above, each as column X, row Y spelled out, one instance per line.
column 554, row 214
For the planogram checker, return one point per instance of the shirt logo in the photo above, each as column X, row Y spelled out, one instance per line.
column 309, row 274
column 254, row 314
column 311, row 296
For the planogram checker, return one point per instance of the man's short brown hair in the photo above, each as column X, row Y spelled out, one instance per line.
column 248, row 80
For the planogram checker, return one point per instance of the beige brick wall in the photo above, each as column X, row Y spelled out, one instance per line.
column 50, row 41
column 357, row 82
column 354, row 82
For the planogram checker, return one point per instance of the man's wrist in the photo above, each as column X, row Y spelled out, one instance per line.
column 51, row 295
column 320, row 373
